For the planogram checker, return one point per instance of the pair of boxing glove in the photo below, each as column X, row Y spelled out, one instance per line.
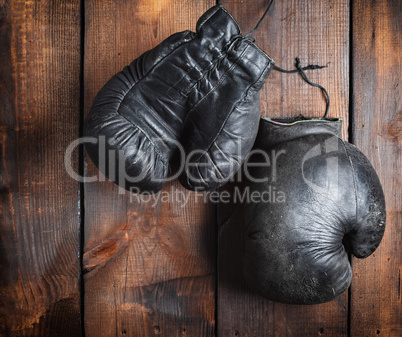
column 197, row 94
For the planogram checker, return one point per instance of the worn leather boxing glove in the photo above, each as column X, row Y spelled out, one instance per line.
column 312, row 193
column 220, row 129
column 206, row 81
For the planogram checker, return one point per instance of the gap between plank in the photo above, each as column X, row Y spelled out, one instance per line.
column 351, row 140
column 81, row 167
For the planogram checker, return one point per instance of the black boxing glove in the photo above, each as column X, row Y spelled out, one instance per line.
column 320, row 192
column 220, row 129
column 206, row 81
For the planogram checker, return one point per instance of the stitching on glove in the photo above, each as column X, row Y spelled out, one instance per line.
column 218, row 83
column 246, row 91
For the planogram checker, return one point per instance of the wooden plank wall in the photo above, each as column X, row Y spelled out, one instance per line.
column 40, row 114
column 152, row 267
column 376, row 301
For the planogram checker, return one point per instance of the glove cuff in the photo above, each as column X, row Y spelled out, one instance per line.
column 273, row 131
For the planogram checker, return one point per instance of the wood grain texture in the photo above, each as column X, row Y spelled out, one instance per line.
column 376, row 304
column 150, row 264
column 39, row 113
column 318, row 33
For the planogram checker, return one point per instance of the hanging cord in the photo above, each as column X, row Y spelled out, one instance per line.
column 309, row 67
column 219, row 2
column 262, row 19
column 301, row 70
column 247, row 36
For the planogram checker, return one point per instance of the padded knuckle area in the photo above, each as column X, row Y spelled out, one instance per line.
column 118, row 142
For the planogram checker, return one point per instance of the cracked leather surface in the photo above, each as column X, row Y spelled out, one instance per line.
column 294, row 250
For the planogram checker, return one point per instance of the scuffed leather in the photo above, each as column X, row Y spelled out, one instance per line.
column 178, row 95
column 294, row 249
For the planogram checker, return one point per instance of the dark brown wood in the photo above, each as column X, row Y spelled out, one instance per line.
column 318, row 33
column 376, row 304
column 150, row 265
column 39, row 112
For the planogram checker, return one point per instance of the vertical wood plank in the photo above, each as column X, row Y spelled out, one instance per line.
column 150, row 264
column 376, row 304
column 39, row 113
column 318, row 33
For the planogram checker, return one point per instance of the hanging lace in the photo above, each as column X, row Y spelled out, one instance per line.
column 300, row 69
